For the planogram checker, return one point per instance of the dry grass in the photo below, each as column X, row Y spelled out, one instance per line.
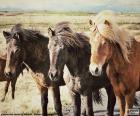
column 27, row 99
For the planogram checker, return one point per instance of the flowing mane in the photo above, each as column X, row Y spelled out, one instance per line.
column 65, row 34
column 112, row 32
column 32, row 40
column 27, row 34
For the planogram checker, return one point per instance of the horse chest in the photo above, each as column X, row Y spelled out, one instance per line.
column 76, row 84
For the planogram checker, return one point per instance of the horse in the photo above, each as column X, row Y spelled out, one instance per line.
column 30, row 47
column 3, row 77
column 115, row 46
column 70, row 56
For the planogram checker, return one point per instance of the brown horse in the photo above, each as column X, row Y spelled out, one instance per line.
column 8, row 80
column 30, row 47
column 70, row 55
column 115, row 46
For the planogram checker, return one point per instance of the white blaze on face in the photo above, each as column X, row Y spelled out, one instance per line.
column 95, row 69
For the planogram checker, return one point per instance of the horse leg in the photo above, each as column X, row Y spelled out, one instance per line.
column 5, row 90
column 84, row 111
column 57, row 100
column 111, row 100
column 76, row 101
column 121, row 101
column 13, row 83
column 129, row 102
column 88, row 104
column 44, row 101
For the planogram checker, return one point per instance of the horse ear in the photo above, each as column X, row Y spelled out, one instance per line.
column 6, row 34
column 51, row 32
column 23, row 66
column 90, row 22
column 107, row 23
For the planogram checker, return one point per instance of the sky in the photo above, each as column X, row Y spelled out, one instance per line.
column 72, row 5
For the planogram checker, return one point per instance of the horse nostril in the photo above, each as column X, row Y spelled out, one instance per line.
column 52, row 75
column 8, row 74
column 96, row 70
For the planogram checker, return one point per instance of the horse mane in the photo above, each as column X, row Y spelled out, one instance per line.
column 112, row 32
column 28, row 35
column 32, row 40
column 65, row 35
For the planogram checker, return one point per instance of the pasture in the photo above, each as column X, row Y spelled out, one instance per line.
column 27, row 96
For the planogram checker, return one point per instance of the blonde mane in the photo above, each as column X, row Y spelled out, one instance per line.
column 106, row 25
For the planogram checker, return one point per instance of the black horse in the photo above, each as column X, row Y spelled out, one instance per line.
column 70, row 54
column 30, row 47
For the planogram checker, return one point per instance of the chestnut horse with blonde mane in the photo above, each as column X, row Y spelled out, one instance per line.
column 115, row 46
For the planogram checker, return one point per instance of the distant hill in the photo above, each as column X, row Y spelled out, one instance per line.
column 80, row 8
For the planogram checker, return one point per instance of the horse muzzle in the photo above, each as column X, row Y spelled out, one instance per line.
column 53, row 75
column 95, row 70
column 9, row 73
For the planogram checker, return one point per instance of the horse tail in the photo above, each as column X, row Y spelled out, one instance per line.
column 97, row 97
column 136, row 101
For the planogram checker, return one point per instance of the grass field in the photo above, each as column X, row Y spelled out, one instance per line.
column 27, row 96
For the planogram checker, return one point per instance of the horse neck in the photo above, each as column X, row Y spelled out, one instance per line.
column 37, row 57
column 117, row 60
column 78, row 62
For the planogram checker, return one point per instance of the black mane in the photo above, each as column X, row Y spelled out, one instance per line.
column 28, row 35
column 69, row 38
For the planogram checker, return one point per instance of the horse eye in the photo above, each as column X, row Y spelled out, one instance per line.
column 55, row 44
column 105, row 43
